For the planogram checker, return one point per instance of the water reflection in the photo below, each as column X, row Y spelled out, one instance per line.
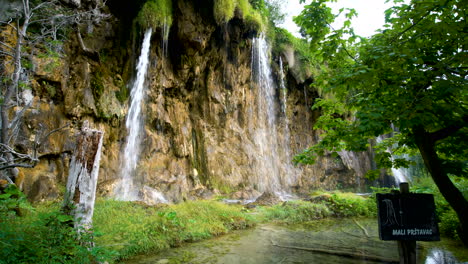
column 440, row 256
column 343, row 241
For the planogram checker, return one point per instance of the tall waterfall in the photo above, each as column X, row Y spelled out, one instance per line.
column 271, row 166
column 127, row 189
column 290, row 172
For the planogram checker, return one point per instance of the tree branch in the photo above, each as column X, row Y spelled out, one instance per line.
column 7, row 53
column 414, row 24
column 50, row 133
column 6, row 45
column 448, row 131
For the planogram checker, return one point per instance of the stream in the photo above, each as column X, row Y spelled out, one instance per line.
column 322, row 241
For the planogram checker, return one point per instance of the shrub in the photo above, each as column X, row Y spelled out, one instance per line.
column 447, row 216
column 43, row 236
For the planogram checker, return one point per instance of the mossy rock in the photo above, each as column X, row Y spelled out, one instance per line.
column 155, row 14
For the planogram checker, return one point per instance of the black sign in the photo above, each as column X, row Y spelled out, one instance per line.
column 407, row 217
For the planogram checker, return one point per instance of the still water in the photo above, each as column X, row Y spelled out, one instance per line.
column 325, row 241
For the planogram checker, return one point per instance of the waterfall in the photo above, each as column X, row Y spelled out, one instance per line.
column 165, row 37
column 265, row 135
column 290, row 171
column 400, row 174
column 127, row 189
column 273, row 170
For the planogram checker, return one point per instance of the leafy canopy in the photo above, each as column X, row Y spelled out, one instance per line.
column 412, row 75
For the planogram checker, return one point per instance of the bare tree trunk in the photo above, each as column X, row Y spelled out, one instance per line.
column 11, row 89
column 83, row 176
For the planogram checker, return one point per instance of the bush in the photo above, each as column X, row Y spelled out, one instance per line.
column 448, row 219
column 350, row 204
column 43, row 237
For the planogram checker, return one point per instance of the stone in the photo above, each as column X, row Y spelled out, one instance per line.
column 268, row 199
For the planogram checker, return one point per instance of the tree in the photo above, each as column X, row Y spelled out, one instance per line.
column 412, row 75
column 31, row 25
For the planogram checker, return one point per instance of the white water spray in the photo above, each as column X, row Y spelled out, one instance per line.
column 127, row 188
column 290, row 172
column 273, row 169
column 265, row 135
column 400, row 174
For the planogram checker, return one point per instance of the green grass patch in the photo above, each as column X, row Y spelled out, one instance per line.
column 42, row 234
column 320, row 205
column 131, row 228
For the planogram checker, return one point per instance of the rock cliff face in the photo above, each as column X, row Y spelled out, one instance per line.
column 200, row 111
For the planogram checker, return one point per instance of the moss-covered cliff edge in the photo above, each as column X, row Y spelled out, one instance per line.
column 199, row 110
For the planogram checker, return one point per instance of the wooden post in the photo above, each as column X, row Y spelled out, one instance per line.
column 406, row 249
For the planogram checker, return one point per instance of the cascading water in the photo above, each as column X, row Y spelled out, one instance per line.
column 127, row 188
column 400, row 174
column 165, row 37
column 271, row 174
column 265, row 136
column 290, row 170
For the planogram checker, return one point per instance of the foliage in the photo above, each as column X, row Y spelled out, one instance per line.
column 45, row 236
column 131, row 228
column 224, row 10
column 304, row 61
column 325, row 42
column 270, row 9
column 447, row 216
column 13, row 201
column 320, row 205
column 411, row 76
column 408, row 76
column 155, row 14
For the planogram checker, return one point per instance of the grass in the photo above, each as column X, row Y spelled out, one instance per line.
column 131, row 228
column 321, row 205
column 124, row 229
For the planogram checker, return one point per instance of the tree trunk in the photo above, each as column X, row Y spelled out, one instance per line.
column 82, row 178
column 446, row 187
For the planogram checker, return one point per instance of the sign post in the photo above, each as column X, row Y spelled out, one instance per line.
column 407, row 217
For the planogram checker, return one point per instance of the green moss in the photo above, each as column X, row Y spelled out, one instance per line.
column 224, row 10
column 305, row 62
column 244, row 7
column 123, row 94
column 50, row 89
column 155, row 14
column 254, row 21
column 97, row 85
